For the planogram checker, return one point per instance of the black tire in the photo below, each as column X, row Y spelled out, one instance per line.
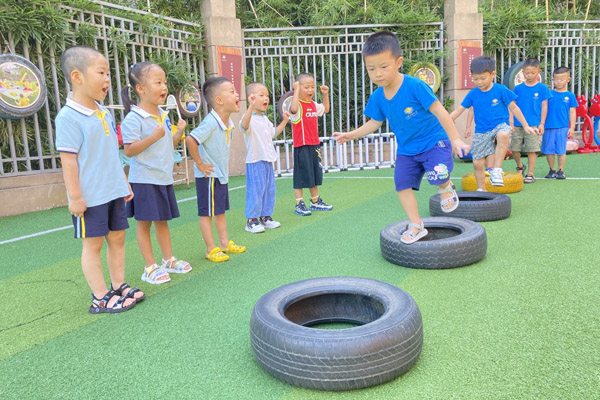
column 13, row 111
column 475, row 206
column 385, row 346
column 282, row 105
column 450, row 243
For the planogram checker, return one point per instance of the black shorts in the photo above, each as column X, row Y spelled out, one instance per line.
column 152, row 202
column 213, row 197
column 98, row 221
column 308, row 170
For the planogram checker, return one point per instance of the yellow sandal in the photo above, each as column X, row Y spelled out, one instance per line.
column 217, row 255
column 234, row 248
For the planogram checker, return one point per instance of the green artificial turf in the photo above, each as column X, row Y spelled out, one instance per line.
column 521, row 323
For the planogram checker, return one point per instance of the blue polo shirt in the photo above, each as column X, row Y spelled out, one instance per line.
column 214, row 139
column 529, row 100
column 559, row 106
column 490, row 108
column 415, row 127
column 155, row 164
column 91, row 134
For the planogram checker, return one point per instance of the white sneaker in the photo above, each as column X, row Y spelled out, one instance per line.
column 254, row 226
column 496, row 176
column 268, row 222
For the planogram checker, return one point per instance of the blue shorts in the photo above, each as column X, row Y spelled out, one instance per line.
column 213, row 197
column 437, row 162
column 152, row 202
column 98, row 221
column 554, row 141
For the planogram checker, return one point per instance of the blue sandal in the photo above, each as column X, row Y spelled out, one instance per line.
column 100, row 305
column 130, row 294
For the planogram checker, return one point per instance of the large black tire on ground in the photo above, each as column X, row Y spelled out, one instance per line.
column 475, row 206
column 450, row 243
column 384, row 347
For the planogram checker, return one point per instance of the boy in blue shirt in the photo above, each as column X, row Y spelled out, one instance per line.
column 209, row 147
column 560, row 122
column 532, row 99
column 491, row 103
column 421, row 124
column 97, row 188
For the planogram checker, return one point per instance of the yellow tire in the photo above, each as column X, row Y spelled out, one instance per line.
column 513, row 183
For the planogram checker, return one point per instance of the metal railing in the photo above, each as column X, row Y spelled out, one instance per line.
column 28, row 144
column 573, row 44
column 333, row 55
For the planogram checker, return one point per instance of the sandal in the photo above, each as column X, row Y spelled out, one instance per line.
column 217, row 255
column 100, row 305
column 413, row 236
column 130, row 294
column 152, row 273
column 447, row 201
column 176, row 266
column 234, row 248
column 529, row 179
column 522, row 169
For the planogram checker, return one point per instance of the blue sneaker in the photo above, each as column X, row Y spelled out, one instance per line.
column 301, row 209
column 319, row 205
column 488, row 171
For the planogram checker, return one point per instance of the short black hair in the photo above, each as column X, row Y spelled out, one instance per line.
column 253, row 87
column 77, row 58
column 482, row 64
column 382, row 41
column 210, row 89
column 303, row 75
column 561, row 70
column 531, row 62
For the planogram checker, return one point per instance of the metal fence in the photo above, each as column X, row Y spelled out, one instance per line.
column 573, row 44
column 333, row 55
column 27, row 145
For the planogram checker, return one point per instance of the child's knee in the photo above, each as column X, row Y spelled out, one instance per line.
column 503, row 136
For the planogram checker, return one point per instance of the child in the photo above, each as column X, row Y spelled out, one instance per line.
column 149, row 142
column 96, row 185
column 532, row 100
column 260, row 179
column 560, row 122
column 209, row 146
column 491, row 102
column 421, row 124
column 308, row 171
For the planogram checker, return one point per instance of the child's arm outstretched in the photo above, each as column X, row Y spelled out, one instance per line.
column 457, row 113
column 460, row 147
column 469, row 127
column 192, row 146
column 516, row 111
column 368, row 127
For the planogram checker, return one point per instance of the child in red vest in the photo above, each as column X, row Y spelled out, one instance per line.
column 308, row 171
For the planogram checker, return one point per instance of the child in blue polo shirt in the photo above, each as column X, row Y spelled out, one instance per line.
column 532, row 99
column 209, row 147
column 491, row 103
column 96, row 186
column 149, row 142
column 560, row 122
column 421, row 124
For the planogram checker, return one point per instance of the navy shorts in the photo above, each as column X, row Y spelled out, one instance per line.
column 437, row 162
column 98, row 221
column 213, row 197
column 152, row 202
column 308, row 170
